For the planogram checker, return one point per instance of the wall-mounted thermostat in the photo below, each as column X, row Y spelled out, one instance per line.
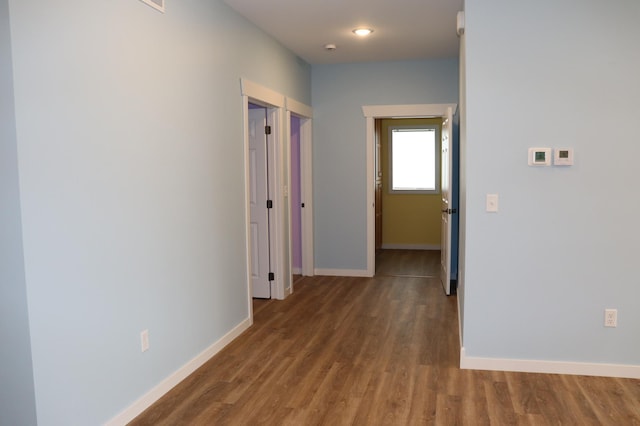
column 539, row 156
column 563, row 157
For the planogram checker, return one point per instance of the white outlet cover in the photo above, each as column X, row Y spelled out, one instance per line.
column 492, row 203
column 610, row 317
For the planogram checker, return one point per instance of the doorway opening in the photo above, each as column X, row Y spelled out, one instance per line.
column 266, row 108
column 300, row 191
column 301, row 197
column 408, row 172
column 374, row 114
column 297, row 205
column 261, row 103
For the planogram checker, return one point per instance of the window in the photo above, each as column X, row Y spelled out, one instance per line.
column 414, row 160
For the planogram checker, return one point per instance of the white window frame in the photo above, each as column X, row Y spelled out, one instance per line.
column 436, row 158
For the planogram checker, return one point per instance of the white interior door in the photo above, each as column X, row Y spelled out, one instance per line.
column 447, row 210
column 258, row 196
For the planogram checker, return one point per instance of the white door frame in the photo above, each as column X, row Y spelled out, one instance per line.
column 373, row 112
column 274, row 102
column 306, row 176
column 279, row 110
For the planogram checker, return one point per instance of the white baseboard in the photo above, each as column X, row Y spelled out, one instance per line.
column 296, row 271
column 549, row 367
column 411, row 246
column 343, row 272
column 167, row 384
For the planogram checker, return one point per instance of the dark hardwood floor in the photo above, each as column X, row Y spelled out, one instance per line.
column 408, row 263
column 376, row 351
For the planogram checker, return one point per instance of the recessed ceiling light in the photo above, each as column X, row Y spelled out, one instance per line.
column 362, row 32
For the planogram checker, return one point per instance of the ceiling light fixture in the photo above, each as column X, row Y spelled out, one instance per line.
column 362, row 32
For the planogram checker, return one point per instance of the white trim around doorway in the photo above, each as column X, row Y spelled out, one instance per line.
column 371, row 113
column 274, row 103
column 279, row 109
column 305, row 113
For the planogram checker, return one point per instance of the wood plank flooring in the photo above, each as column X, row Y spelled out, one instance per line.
column 376, row 351
column 408, row 263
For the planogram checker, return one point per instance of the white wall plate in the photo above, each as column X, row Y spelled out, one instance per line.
column 539, row 156
column 563, row 157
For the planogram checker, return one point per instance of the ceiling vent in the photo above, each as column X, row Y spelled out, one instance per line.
column 156, row 4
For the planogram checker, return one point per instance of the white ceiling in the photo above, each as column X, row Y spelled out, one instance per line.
column 403, row 29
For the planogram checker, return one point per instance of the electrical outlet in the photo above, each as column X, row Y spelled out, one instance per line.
column 492, row 203
column 610, row 317
column 144, row 340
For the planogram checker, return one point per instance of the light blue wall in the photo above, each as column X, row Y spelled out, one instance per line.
column 339, row 143
column 130, row 149
column 17, row 398
column 539, row 273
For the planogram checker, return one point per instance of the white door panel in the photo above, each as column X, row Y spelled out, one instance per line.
column 258, row 194
column 445, row 182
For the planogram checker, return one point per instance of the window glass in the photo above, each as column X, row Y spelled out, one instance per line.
column 414, row 162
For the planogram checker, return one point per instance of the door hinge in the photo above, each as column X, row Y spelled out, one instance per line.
column 267, row 130
column 452, row 211
column 272, row 276
column 269, row 204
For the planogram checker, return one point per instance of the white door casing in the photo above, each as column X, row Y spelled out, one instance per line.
column 371, row 113
column 275, row 104
column 258, row 196
column 305, row 114
column 446, row 206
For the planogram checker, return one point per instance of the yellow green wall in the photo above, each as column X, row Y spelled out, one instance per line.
column 408, row 219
